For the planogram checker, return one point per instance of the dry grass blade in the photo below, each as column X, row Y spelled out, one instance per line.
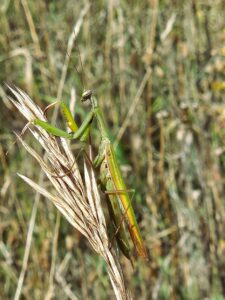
column 78, row 201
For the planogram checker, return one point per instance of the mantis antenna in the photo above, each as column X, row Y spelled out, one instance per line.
column 80, row 73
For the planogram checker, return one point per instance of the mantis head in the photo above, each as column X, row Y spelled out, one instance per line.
column 86, row 95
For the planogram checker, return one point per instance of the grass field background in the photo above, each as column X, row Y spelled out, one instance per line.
column 158, row 71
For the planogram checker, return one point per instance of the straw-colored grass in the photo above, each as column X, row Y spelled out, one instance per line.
column 77, row 199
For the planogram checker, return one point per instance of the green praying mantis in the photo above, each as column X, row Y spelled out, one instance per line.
column 110, row 174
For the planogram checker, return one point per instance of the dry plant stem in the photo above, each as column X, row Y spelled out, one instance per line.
column 28, row 72
column 121, row 56
column 72, row 38
column 28, row 243
column 50, row 292
column 78, row 202
column 133, row 106
column 148, row 60
column 32, row 28
column 108, row 42
column 60, row 278
column 161, row 166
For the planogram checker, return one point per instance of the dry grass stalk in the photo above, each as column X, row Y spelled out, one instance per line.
column 79, row 202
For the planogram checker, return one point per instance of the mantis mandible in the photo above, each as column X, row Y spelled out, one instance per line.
column 111, row 177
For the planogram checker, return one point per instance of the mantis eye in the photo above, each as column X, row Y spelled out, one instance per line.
column 86, row 95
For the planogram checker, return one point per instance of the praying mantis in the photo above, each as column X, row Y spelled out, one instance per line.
column 110, row 174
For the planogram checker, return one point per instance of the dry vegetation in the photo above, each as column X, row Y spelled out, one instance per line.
column 158, row 70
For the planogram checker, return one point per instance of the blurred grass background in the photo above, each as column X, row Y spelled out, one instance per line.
column 164, row 63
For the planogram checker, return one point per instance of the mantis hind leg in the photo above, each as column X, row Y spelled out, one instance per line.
column 124, row 214
column 115, row 213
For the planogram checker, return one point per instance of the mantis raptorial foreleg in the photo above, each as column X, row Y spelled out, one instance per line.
column 79, row 133
column 61, row 133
